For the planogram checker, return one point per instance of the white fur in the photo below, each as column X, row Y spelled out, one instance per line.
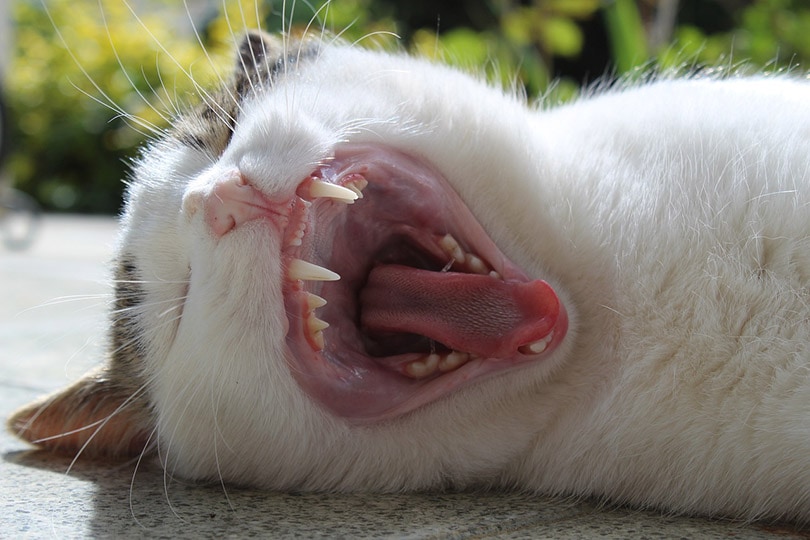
column 672, row 218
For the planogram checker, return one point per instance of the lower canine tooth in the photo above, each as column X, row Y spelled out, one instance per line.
column 299, row 269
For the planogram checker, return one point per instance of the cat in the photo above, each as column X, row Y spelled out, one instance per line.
column 356, row 270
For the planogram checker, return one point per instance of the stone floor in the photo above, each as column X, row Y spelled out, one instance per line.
column 51, row 330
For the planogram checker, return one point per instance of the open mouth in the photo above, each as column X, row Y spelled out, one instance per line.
column 395, row 295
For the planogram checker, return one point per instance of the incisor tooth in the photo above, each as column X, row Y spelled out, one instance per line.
column 314, row 301
column 299, row 269
column 320, row 188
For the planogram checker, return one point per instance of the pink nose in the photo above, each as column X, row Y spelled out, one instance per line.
column 233, row 201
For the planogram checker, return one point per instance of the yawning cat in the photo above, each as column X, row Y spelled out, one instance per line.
column 355, row 270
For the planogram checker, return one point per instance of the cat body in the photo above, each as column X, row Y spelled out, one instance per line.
column 668, row 360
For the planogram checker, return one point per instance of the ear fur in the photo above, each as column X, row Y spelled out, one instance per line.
column 95, row 416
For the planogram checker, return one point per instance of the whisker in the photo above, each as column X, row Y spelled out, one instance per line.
column 124, row 70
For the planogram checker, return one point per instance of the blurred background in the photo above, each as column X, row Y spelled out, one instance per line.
column 85, row 82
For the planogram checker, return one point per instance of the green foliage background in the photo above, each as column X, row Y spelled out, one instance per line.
column 91, row 80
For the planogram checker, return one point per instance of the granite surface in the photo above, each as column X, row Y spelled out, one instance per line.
column 52, row 317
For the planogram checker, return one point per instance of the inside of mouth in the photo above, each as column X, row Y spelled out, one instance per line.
column 425, row 303
column 411, row 286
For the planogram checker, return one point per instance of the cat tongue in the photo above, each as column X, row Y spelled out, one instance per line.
column 478, row 314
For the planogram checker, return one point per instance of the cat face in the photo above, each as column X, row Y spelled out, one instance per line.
column 318, row 257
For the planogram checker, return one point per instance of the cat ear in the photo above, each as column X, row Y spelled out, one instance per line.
column 95, row 416
column 262, row 56
column 258, row 59
column 257, row 51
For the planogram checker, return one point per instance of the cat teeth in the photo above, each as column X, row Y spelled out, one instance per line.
column 453, row 361
column 322, row 189
column 432, row 363
column 419, row 369
column 300, row 269
column 314, row 326
column 538, row 346
column 357, row 184
column 451, row 247
column 314, row 301
column 467, row 261
column 298, row 236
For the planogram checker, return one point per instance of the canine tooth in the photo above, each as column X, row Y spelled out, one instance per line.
column 419, row 369
column 495, row 274
column 453, row 361
column 314, row 301
column 300, row 269
column 319, row 189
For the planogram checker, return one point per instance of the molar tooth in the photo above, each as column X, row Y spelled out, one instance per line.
column 451, row 247
column 419, row 369
column 319, row 188
column 300, row 269
column 477, row 265
column 315, row 325
column 538, row 346
column 317, row 338
column 314, row 301
column 453, row 361
column 357, row 185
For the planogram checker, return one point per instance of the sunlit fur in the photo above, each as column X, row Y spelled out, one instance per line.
column 673, row 218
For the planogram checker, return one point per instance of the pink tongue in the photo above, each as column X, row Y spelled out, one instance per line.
column 473, row 313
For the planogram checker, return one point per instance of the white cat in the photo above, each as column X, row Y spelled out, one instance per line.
column 610, row 298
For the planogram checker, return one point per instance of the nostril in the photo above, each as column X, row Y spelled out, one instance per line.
column 232, row 200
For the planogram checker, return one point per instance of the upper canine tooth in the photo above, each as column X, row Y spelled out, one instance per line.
column 319, row 188
column 299, row 269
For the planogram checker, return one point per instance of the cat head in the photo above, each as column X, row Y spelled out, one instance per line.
column 329, row 276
